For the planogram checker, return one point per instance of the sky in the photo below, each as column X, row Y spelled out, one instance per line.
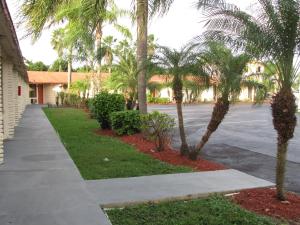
column 180, row 25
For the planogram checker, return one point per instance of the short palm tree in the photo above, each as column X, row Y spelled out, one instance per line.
column 272, row 33
column 124, row 77
column 179, row 65
column 226, row 70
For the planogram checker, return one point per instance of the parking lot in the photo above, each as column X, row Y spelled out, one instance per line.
column 246, row 140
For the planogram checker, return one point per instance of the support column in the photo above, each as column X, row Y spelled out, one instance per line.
column 1, row 110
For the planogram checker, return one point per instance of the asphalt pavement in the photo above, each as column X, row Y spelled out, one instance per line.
column 246, row 139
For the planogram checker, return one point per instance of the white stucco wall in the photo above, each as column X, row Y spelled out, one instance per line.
column 207, row 95
column 12, row 105
column 49, row 94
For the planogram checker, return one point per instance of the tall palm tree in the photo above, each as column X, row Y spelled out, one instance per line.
column 108, row 51
column 227, row 71
column 57, row 44
column 272, row 33
column 92, row 14
column 144, row 9
column 179, row 65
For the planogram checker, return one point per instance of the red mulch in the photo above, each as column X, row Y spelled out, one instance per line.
column 168, row 155
column 263, row 201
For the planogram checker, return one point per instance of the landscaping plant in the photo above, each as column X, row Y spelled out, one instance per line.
column 179, row 64
column 158, row 127
column 105, row 104
column 271, row 33
column 126, row 122
column 227, row 69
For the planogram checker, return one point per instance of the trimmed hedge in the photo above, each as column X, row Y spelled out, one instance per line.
column 105, row 104
column 126, row 122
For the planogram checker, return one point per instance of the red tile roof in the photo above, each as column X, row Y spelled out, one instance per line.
column 44, row 77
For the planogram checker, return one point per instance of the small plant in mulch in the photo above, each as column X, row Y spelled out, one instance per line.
column 158, row 127
column 263, row 201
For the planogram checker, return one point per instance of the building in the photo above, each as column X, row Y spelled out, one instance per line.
column 44, row 86
column 14, row 81
column 247, row 94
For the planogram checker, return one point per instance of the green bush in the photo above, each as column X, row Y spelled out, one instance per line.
column 105, row 104
column 157, row 100
column 90, row 105
column 126, row 122
column 158, row 127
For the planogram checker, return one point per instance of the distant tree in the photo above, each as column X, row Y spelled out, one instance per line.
column 57, row 43
column 84, row 69
column 36, row 66
column 59, row 65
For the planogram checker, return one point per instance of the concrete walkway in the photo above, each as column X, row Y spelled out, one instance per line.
column 126, row 191
column 39, row 183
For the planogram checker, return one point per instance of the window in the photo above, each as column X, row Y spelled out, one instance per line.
column 32, row 91
column 258, row 69
column 19, row 90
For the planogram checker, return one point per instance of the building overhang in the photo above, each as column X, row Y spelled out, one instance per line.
column 10, row 48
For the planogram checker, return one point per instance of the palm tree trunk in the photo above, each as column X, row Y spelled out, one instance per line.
column 70, row 68
column 184, row 149
column 284, row 121
column 98, row 40
column 178, row 89
column 280, row 169
column 142, row 33
column 219, row 112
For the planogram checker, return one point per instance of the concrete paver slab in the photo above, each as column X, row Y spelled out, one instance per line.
column 125, row 191
column 39, row 183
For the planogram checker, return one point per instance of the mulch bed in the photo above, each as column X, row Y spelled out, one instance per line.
column 263, row 201
column 169, row 155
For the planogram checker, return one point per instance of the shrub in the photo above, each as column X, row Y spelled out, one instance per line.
column 105, row 104
column 72, row 100
column 90, row 105
column 157, row 100
column 126, row 122
column 62, row 96
column 158, row 127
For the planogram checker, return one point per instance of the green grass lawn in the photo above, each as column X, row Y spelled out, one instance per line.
column 215, row 210
column 90, row 151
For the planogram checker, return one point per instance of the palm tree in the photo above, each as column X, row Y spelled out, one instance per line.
column 144, row 9
column 108, row 51
column 179, row 65
column 124, row 77
column 272, row 34
column 227, row 71
column 92, row 14
column 57, row 44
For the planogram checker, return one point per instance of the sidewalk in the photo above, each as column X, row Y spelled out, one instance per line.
column 125, row 191
column 39, row 183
